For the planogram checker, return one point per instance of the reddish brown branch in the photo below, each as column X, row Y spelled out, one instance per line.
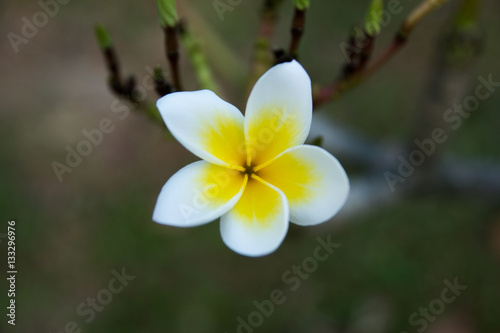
column 333, row 91
column 297, row 30
column 345, row 82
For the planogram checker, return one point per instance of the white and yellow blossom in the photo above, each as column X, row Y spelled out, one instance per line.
column 255, row 173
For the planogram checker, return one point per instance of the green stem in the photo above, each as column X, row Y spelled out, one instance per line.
column 198, row 60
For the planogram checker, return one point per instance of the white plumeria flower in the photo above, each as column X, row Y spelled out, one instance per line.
column 255, row 173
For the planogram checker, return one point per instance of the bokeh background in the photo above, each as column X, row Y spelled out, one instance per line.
column 395, row 252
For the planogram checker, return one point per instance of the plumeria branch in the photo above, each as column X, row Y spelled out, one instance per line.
column 172, row 49
column 335, row 90
column 122, row 88
column 446, row 174
column 424, row 9
column 298, row 26
column 261, row 58
column 162, row 86
column 358, row 62
column 441, row 173
column 115, row 81
column 175, row 28
column 170, row 22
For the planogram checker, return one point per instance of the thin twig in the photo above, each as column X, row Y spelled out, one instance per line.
column 125, row 88
column 334, row 90
column 172, row 49
column 358, row 57
column 112, row 64
column 162, row 86
column 297, row 30
column 122, row 88
column 197, row 57
column 424, row 9
column 398, row 42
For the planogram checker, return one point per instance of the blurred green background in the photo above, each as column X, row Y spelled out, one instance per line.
column 72, row 234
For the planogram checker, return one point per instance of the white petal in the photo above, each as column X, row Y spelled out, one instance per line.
column 197, row 194
column 313, row 181
column 279, row 111
column 258, row 223
column 209, row 127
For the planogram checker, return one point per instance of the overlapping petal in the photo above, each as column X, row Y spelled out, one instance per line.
column 279, row 111
column 198, row 193
column 209, row 127
column 258, row 223
column 313, row 181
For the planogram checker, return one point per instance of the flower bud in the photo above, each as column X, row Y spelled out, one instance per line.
column 167, row 12
column 301, row 4
column 373, row 18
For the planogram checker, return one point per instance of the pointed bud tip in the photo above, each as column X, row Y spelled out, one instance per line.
column 301, row 4
column 103, row 37
column 374, row 17
column 167, row 13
